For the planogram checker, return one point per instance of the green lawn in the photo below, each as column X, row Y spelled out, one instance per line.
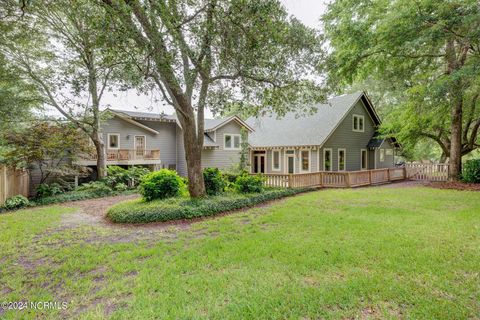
column 333, row 254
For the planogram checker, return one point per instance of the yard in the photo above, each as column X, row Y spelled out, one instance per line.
column 378, row 252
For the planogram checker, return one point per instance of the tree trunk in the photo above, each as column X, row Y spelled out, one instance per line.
column 456, row 141
column 443, row 157
column 193, row 157
column 101, row 156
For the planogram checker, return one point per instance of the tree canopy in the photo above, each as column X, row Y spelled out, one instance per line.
column 426, row 50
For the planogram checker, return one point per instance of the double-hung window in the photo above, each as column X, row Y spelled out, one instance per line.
column 113, row 141
column 305, row 160
column 276, row 160
column 342, row 158
column 358, row 123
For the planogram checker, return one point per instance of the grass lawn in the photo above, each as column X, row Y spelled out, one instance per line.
column 333, row 254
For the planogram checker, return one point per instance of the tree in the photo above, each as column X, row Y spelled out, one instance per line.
column 213, row 53
column 431, row 49
column 61, row 47
column 49, row 147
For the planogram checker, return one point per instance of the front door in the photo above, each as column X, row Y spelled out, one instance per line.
column 259, row 163
column 290, row 164
column 139, row 146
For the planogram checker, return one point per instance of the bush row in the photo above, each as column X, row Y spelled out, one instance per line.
column 140, row 211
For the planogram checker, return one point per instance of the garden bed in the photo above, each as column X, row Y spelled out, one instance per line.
column 140, row 211
column 456, row 185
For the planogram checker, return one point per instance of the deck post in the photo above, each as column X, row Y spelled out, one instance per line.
column 348, row 179
column 321, row 179
column 388, row 174
column 290, row 178
column 369, row 176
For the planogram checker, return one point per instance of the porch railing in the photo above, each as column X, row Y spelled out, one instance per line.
column 427, row 171
column 128, row 154
column 335, row 179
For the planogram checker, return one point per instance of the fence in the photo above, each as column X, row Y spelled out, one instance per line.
column 13, row 182
column 335, row 179
column 427, row 171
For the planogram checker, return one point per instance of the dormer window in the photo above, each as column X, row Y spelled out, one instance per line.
column 358, row 123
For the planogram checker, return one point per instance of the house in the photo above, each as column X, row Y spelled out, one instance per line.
column 340, row 136
column 156, row 141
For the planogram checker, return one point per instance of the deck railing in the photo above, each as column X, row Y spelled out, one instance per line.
column 335, row 179
column 427, row 171
column 128, row 154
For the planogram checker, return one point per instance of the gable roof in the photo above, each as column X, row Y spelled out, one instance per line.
column 307, row 130
column 210, row 124
column 129, row 119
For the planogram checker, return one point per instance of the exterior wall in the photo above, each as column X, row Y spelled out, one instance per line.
column 123, row 128
column 283, row 161
column 165, row 141
column 221, row 158
column 344, row 137
column 389, row 160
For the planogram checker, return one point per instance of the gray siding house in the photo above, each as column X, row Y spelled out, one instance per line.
column 339, row 136
column 155, row 140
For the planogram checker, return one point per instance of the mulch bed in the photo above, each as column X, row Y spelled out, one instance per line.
column 455, row 185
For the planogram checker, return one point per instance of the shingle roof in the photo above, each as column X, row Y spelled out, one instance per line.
column 146, row 115
column 208, row 142
column 375, row 142
column 307, row 130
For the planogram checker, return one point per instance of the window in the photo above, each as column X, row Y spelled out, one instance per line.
column 113, row 141
column 276, row 160
column 305, row 160
column 231, row 142
column 382, row 155
column 358, row 123
column 389, row 152
column 342, row 159
column 364, row 159
column 327, row 159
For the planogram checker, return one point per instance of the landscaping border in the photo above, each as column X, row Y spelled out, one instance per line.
column 140, row 211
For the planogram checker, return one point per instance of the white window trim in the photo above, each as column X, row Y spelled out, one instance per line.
column 366, row 160
column 279, row 161
column 380, row 155
column 294, row 156
column 331, row 158
column 389, row 150
column 345, row 159
column 309, row 160
column 358, row 116
column 108, row 141
column 233, row 139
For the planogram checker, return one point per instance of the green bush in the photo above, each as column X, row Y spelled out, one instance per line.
column 139, row 211
column 16, row 202
column 247, row 183
column 48, row 190
column 76, row 196
column 214, row 181
column 96, row 187
column 120, row 187
column 161, row 184
column 116, row 175
column 136, row 174
column 471, row 171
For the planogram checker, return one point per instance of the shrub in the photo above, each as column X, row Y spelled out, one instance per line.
column 137, row 173
column 247, row 183
column 116, row 174
column 120, row 187
column 97, row 187
column 471, row 171
column 214, row 181
column 161, row 184
column 138, row 211
column 16, row 202
column 48, row 190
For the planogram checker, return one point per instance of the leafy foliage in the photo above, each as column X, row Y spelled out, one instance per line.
column 138, row 211
column 96, row 187
column 48, row 147
column 471, row 171
column 16, row 202
column 249, row 183
column 214, row 181
column 117, row 175
column 161, row 184
column 48, row 190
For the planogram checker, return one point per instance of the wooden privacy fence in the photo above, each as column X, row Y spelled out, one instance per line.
column 13, row 182
column 427, row 171
column 335, row 179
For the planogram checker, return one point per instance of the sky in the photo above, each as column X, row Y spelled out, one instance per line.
column 307, row 11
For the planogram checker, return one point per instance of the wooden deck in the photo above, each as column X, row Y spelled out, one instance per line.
column 336, row 179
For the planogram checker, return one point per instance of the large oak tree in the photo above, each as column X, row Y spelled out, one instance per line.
column 430, row 49
column 214, row 53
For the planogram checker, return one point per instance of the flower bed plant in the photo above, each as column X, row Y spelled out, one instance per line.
column 141, row 211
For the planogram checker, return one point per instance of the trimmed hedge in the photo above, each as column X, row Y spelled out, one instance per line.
column 140, row 211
